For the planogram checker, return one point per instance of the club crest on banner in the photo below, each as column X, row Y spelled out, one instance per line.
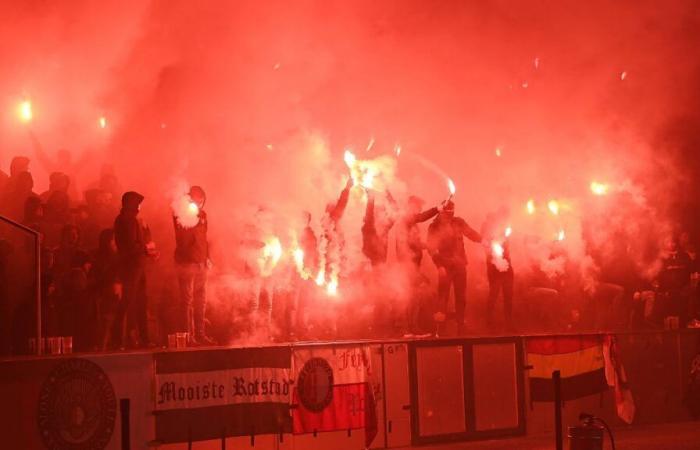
column 315, row 384
column 77, row 407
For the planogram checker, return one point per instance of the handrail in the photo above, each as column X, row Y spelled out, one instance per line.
column 37, row 260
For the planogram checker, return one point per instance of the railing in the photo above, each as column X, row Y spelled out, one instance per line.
column 37, row 261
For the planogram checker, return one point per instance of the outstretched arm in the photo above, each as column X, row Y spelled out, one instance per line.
column 44, row 159
column 342, row 203
column 470, row 232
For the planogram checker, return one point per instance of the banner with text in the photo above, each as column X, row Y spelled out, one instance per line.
column 233, row 392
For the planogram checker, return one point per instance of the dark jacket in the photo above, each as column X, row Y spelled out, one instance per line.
column 375, row 237
column 409, row 245
column 129, row 232
column 309, row 245
column 191, row 246
column 446, row 243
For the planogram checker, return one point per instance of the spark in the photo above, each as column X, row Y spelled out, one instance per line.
column 103, row 122
column 508, row 231
column 25, row 111
column 498, row 151
column 349, row 158
column 530, row 206
column 525, row 84
column 623, row 75
column 537, row 63
column 599, row 188
column 397, row 150
column 553, row 206
column 561, row 235
column 370, row 144
column 268, row 146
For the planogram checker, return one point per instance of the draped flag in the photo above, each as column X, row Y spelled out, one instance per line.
column 617, row 378
column 334, row 391
column 579, row 359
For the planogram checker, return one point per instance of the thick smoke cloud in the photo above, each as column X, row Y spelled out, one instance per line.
column 256, row 101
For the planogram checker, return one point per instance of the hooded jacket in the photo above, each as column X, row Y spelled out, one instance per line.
column 128, row 230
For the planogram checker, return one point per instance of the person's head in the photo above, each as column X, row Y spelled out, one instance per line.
column 448, row 211
column 18, row 165
column 415, row 204
column 25, row 182
column 70, row 236
column 107, row 243
column 198, row 196
column 33, row 209
column 672, row 244
column 131, row 201
column 59, row 181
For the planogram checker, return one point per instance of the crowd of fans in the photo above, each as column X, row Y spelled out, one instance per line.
column 94, row 253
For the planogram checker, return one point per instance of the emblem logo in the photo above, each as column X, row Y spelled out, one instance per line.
column 77, row 407
column 315, row 384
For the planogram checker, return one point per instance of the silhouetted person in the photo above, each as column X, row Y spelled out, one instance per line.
column 446, row 247
column 18, row 165
column 375, row 230
column 674, row 282
column 75, row 306
column 192, row 260
column 130, row 236
column 58, row 181
column 108, row 291
column 499, row 267
column 15, row 196
column 57, row 214
column 332, row 237
column 308, row 243
column 409, row 243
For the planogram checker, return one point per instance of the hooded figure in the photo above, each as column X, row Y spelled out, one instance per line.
column 130, row 237
column 18, row 189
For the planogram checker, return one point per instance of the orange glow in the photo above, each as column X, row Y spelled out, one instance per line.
column 24, row 111
column 530, row 206
column 498, row 152
column 553, row 206
column 193, row 209
column 103, row 122
column 599, row 189
column 271, row 254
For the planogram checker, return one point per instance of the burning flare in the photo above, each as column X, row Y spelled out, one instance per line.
column 508, row 231
column 451, row 186
column 24, row 111
column 561, row 235
column 298, row 255
column 186, row 211
column 553, row 206
column 599, row 189
column 271, row 254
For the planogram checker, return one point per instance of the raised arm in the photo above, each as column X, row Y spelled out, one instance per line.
column 469, row 232
column 342, row 203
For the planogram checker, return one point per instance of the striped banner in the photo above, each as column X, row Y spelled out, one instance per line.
column 202, row 395
column 579, row 359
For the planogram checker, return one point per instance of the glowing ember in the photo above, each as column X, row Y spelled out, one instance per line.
column 599, row 188
column 451, row 186
column 497, row 249
column 498, row 152
column 561, row 235
column 553, row 206
column 530, row 206
column 103, row 122
column 508, row 231
column 25, row 111
column 623, row 75
column 397, row 150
